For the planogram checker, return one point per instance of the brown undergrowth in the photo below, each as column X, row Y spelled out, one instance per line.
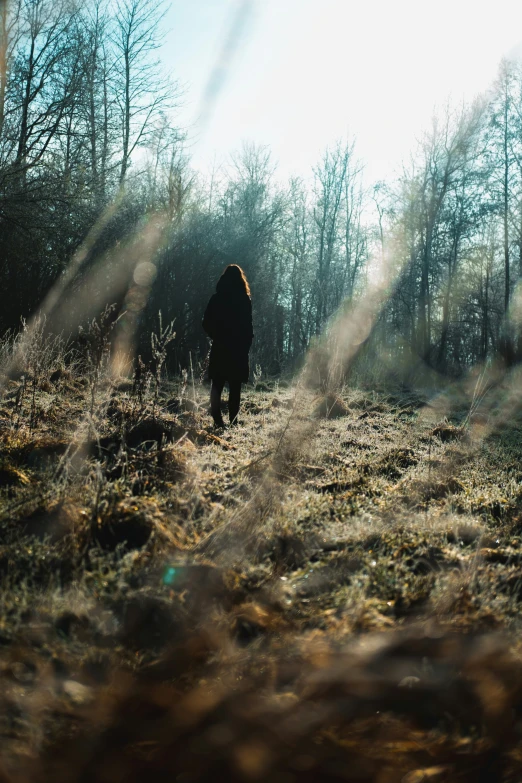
column 329, row 591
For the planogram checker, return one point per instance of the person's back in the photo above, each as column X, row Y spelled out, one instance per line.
column 228, row 322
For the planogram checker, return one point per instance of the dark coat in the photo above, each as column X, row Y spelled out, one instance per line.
column 228, row 322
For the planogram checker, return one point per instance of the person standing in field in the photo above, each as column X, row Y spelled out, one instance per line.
column 228, row 323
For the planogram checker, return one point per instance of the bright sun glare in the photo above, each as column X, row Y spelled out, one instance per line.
column 304, row 72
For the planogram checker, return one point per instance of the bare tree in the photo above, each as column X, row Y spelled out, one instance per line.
column 40, row 89
column 330, row 178
column 501, row 154
column 97, row 107
column 10, row 32
column 299, row 269
column 141, row 91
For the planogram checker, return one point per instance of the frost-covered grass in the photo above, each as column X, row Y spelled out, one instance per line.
column 329, row 568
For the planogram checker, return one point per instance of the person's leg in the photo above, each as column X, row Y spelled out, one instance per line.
column 234, row 400
column 215, row 401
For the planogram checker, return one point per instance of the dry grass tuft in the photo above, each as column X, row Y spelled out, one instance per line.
column 448, row 432
column 331, row 407
column 10, row 476
column 126, row 524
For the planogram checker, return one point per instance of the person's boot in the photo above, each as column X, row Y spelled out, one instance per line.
column 215, row 405
column 234, row 402
column 218, row 422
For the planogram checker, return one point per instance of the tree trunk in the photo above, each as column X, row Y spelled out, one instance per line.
column 3, row 60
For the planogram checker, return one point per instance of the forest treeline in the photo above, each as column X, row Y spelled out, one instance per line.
column 90, row 155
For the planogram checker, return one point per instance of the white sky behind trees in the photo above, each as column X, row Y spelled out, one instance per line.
column 304, row 73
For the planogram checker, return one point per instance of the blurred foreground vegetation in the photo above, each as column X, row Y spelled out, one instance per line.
column 330, row 591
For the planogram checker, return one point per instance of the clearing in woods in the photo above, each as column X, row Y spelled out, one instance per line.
column 139, row 542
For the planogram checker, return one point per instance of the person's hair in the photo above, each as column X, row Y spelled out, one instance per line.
column 233, row 280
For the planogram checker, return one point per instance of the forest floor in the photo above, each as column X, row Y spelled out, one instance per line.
column 329, row 591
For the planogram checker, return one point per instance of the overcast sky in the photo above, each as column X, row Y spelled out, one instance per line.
column 299, row 74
